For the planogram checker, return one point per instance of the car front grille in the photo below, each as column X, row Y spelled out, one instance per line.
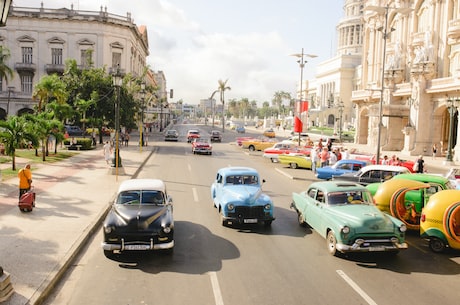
column 249, row 212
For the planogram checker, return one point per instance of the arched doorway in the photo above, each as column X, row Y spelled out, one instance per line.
column 446, row 133
column 2, row 114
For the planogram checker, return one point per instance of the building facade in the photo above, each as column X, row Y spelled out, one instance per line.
column 41, row 40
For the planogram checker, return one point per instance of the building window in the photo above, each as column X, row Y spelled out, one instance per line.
column 116, row 59
column 56, row 56
column 26, row 83
column 86, row 58
column 26, row 55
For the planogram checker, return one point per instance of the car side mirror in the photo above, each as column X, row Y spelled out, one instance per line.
column 263, row 181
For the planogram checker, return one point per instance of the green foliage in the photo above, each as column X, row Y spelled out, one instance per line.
column 85, row 143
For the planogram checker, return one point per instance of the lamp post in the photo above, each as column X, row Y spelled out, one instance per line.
column 212, row 106
column 452, row 109
column 302, row 63
column 141, row 123
column 340, row 105
column 10, row 89
column 117, row 78
column 4, row 9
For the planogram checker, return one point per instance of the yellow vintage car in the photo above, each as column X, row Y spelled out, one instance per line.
column 397, row 197
column 440, row 221
column 295, row 160
column 258, row 144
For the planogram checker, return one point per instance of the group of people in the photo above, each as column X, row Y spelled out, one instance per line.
column 327, row 156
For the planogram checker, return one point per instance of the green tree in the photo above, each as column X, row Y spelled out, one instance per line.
column 6, row 72
column 49, row 88
column 222, row 88
column 45, row 125
column 15, row 132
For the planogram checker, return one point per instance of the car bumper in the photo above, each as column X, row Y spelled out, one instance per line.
column 243, row 220
column 136, row 246
column 202, row 151
column 372, row 246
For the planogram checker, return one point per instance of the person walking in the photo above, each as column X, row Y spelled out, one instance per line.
column 25, row 180
column 434, row 149
column 419, row 165
column 107, row 151
column 314, row 158
column 324, row 156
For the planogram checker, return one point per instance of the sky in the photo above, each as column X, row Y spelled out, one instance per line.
column 249, row 43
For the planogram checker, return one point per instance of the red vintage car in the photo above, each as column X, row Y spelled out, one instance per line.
column 202, row 146
column 192, row 134
column 371, row 160
column 285, row 148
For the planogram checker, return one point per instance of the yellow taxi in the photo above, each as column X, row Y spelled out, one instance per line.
column 440, row 221
column 269, row 133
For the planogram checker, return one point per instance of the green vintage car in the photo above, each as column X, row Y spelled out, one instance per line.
column 405, row 195
column 344, row 213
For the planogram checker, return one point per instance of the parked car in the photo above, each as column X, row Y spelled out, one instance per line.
column 344, row 213
column 141, row 218
column 297, row 160
column 239, row 140
column 171, row 135
column 372, row 174
column 202, row 146
column 440, row 221
column 269, row 133
column 73, row 131
column 192, row 134
column 405, row 195
column 237, row 194
column 216, row 136
column 339, row 168
column 286, row 148
column 240, row 129
column 258, row 144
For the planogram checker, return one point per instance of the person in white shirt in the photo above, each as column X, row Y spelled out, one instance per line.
column 332, row 158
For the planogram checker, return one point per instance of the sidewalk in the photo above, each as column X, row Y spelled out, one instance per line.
column 72, row 198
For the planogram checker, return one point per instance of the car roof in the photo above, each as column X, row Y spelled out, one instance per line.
column 238, row 170
column 393, row 168
column 423, row 178
column 352, row 161
column 338, row 186
column 193, row 130
column 142, row 184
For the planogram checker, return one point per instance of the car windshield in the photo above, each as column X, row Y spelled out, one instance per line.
column 141, row 197
column 242, row 179
column 349, row 197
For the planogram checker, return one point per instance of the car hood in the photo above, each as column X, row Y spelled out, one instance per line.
column 244, row 194
column 363, row 218
column 141, row 215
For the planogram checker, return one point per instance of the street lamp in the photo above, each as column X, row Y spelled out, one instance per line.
column 141, row 123
column 4, row 9
column 302, row 63
column 386, row 33
column 340, row 105
column 117, row 78
column 452, row 109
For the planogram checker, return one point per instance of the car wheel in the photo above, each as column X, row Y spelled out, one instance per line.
column 293, row 165
column 300, row 219
column 251, row 148
column 437, row 245
column 331, row 243
column 222, row 220
column 273, row 160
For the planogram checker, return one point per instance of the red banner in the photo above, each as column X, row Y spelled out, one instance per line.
column 298, row 125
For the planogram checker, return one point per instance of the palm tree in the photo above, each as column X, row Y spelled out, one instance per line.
column 14, row 132
column 5, row 71
column 222, row 87
column 50, row 88
column 44, row 126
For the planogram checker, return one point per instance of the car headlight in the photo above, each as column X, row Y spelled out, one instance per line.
column 402, row 228
column 109, row 229
column 345, row 230
column 167, row 230
column 268, row 206
column 230, row 206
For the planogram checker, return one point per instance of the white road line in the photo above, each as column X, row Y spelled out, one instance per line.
column 189, row 167
column 195, row 194
column 356, row 288
column 216, row 288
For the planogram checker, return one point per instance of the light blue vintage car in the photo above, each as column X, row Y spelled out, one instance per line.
column 343, row 212
column 237, row 195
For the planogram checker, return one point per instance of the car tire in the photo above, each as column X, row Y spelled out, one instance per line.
column 251, row 148
column 268, row 223
column 331, row 242
column 293, row 165
column 222, row 220
column 300, row 219
column 437, row 245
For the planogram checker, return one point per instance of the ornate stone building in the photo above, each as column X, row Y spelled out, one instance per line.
column 409, row 76
column 41, row 40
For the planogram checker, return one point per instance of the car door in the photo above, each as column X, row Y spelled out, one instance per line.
column 370, row 176
column 313, row 212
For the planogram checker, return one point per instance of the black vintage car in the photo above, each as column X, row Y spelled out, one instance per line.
column 171, row 135
column 216, row 136
column 141, row 218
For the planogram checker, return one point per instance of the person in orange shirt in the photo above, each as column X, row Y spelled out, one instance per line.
column 25, row 179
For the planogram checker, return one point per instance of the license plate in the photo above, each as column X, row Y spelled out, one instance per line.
column 374, row 249
column 250, row 221
column 137, row 247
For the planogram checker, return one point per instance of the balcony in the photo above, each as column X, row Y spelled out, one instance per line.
column 25, row 67
column 54, row 69
column 453, row 32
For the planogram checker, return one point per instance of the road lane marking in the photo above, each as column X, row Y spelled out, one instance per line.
column 216, row 288
column 356, row 288
column 195, row 194
column 189, row 167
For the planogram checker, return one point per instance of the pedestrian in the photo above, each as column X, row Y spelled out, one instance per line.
column 126, row 139
column 320, row 144
column 332, row 158
column 339, row 154
column 419, row 165
column 345, row 154
column 329, row 144
column 107, row 151
column 434, row 149
column 385, row 160
column 324, row 157
column 25, row 180
column 314, row 158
